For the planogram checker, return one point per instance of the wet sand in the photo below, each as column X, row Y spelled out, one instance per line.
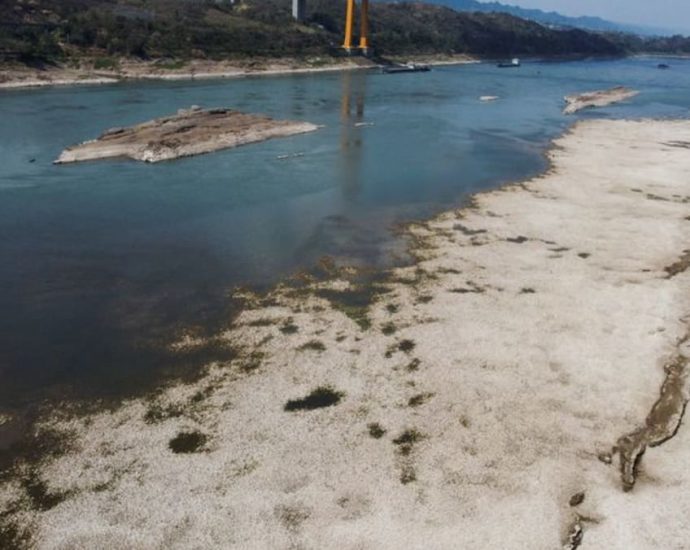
column 475, row 402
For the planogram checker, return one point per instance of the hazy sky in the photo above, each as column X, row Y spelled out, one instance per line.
column 674, row 14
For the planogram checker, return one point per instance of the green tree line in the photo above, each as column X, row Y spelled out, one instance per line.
column 53, row 30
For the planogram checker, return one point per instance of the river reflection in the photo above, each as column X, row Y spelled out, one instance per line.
column 353, row 130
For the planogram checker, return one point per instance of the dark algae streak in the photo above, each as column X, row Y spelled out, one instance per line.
column 661, row 424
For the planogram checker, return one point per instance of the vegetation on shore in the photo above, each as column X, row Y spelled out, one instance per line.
column 43, row 31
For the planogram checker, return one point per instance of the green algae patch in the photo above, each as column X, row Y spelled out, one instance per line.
column 389, row 329
column 289, row 328
column 321, row 397
column 366, row 288
column 353, row 303
column 413, row 365
column 252, row 361
column 187, row 442
column 157, row 413
column 13, row 535
column 41, row 498
column 376, row 430
column 313, row 345
column 406, row 346
column 407, row 440
column 408, row 474
column 682, row 265
column 419, row 399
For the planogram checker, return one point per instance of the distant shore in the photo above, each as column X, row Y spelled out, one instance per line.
column 481, row 399
column 19, row 77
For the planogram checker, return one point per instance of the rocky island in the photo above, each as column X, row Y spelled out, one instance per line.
column 599, row 98
column 192, row 131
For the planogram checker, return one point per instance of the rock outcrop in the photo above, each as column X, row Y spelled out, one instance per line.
column 599, row 98
column 193, row 131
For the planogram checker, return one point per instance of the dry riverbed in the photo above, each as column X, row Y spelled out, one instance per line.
column 473, row 400
column 193, row 131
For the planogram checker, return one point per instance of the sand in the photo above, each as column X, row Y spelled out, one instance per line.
column 475, row 406
column 190, row 132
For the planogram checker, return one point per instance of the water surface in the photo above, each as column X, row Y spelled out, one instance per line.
column 102, row 263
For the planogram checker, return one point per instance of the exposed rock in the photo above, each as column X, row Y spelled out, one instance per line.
column 574, row 536
column 662, row 422
column 190, row 132
column 599, row 98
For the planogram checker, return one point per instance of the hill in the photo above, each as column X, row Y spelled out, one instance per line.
column 49, row 30
column 46, row 31
column 552, row 18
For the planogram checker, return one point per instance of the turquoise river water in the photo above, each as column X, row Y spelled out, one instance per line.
column 101, row 262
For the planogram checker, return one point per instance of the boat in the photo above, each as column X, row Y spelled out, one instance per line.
column 663, row 66
column 406, row 68
column 512, row 64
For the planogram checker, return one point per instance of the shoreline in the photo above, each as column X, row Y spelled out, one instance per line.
column 661, row 56
column 22, row 78
column 133, row 72
column 469, row 402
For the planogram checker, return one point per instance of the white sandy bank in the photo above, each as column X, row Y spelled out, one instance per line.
column 536, row 327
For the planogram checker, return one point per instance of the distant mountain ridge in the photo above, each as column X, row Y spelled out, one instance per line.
column 551, row 18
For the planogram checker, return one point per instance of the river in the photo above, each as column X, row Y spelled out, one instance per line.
column 103, row 264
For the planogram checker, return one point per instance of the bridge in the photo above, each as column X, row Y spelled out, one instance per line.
column 299, row 10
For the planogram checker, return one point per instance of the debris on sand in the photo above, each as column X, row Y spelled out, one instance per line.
column 187, row 442
column 193, row 131
column 662, row 422
column 599, row 98
column 321, row 397
column 574, row 536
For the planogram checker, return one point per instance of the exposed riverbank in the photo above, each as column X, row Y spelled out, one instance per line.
column 18, row 77
column 475, row 401
column 599, row 98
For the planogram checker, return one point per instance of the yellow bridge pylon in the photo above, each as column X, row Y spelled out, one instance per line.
column 364, row 26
